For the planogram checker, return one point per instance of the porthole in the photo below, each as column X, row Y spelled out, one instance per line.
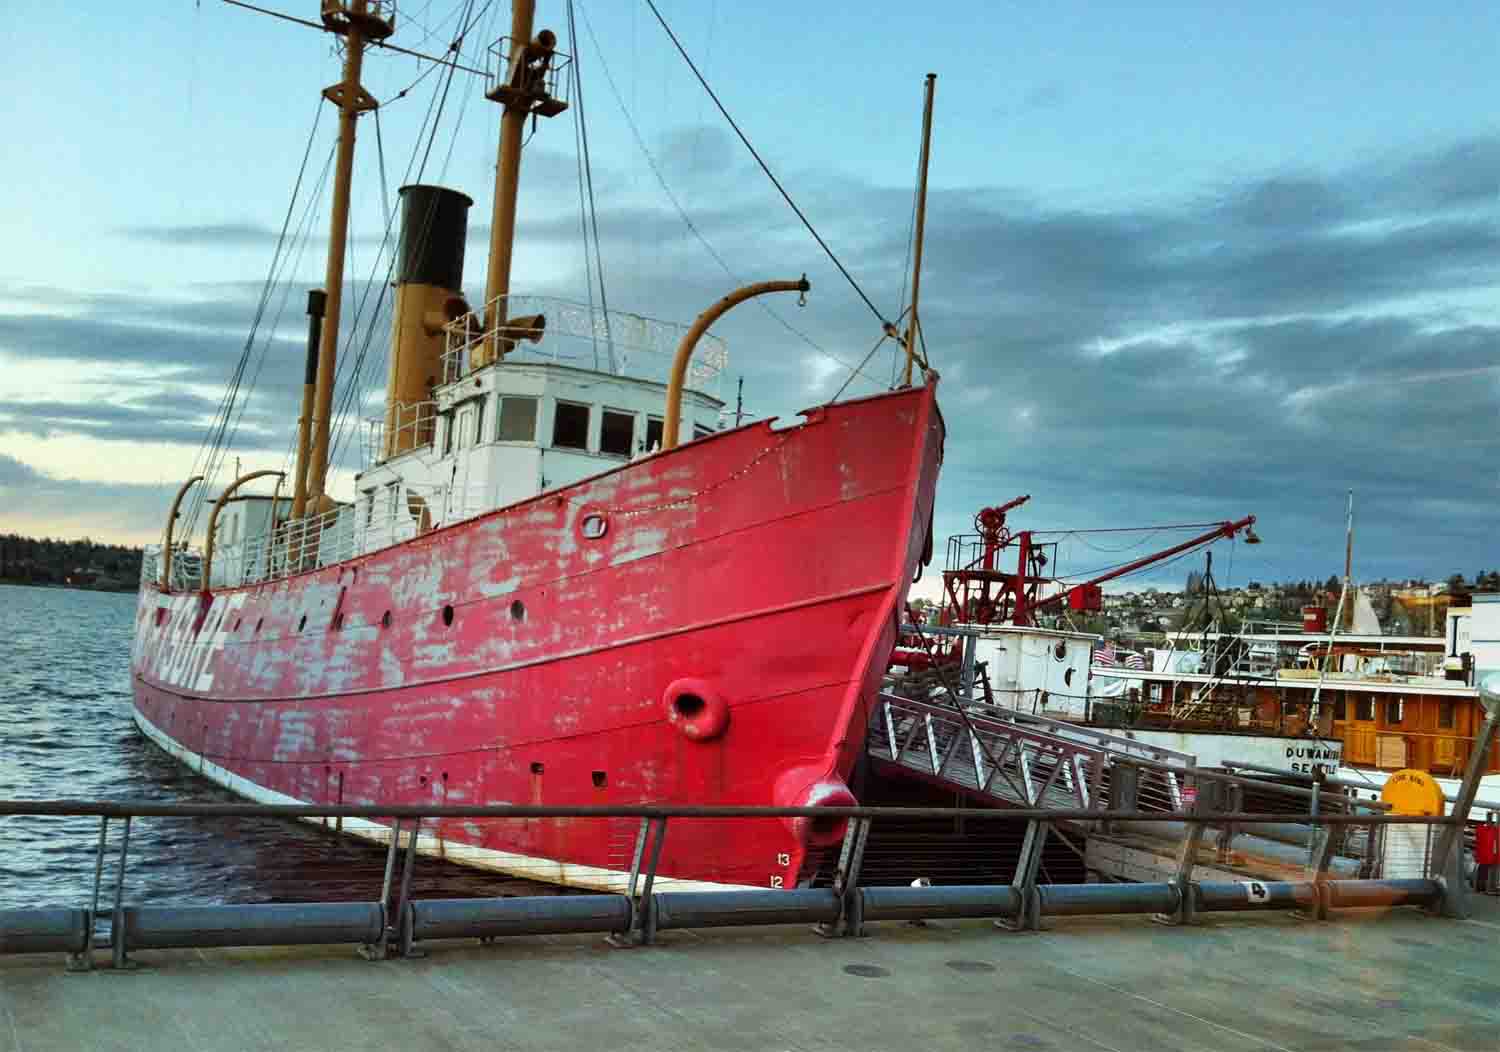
column 385, row 621
column 601, row 780
column 593, row 526
column 518, row 611
column 447, row 615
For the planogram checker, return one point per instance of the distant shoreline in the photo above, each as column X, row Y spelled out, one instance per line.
column 17, row 583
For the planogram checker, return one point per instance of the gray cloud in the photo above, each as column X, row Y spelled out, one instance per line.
column 1258, row 349
column 213, row 234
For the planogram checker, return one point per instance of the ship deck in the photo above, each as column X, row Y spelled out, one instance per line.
column 1397, row 980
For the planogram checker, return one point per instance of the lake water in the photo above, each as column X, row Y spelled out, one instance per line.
column 66, row 733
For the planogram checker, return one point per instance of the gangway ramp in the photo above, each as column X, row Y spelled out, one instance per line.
column 1018, row 759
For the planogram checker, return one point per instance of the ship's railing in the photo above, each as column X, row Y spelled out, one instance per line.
column 379, row 519
column 505, row 82
column 409, row 425
column 584, row 337
column 844, row 889
column 187, row 567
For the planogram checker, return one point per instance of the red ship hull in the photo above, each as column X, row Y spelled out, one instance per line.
column 720, row 643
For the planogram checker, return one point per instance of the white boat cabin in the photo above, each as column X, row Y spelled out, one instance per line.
column 512, row 430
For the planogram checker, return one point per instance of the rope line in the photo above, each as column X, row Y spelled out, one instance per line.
column 688, row 222
column 769, row 174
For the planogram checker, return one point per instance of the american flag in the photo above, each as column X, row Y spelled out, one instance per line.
column 1136, row 661
column 1105, row 655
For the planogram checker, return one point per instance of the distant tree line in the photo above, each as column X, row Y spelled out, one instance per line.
column 77, row 564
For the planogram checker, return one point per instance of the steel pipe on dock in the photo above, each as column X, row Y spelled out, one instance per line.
column 728, row 909
column 520, row 915
column 1353, row 894
column 43, row 931
column 1068, row 900
column 288, row 924
column 1232, row 895
column 934, row 903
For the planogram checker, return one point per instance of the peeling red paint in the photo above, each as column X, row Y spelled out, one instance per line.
column 772, row 564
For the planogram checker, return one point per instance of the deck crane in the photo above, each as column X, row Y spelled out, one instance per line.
column 978, row 591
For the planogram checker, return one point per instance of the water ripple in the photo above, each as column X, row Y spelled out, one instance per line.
column 65, row 733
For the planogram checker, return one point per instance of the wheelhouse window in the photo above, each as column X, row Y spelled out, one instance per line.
column 1446, row 714
column 617, row 433
column 570, row 426
column 369, row 506
column 1339, row 706
column 1394, row 709
column 517, row 420
column 465, row 423
column 447, row 433
column 1364, row 708
column 653, row 433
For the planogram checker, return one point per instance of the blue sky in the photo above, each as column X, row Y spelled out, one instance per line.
column 1183, row 263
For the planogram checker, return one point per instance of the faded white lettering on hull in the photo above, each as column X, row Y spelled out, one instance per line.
column 186, row 651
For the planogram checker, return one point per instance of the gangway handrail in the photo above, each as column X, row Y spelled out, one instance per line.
column 1109, row 743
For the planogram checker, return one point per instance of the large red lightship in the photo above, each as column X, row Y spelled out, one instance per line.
column 702, row 623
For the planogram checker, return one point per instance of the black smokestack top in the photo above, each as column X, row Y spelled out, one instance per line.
column 434, row 224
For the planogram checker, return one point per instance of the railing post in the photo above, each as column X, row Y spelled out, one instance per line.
column 1448, row 865
column 377, row 952
column 1124, row 789
column 1029, row 911
column 850, row 922
column 1186, row 911
column 84, row 962
column 402, row 898
column 1234, row 795
column 648, row 843
column 117, row 922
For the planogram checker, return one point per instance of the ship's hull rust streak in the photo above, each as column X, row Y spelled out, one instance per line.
column 769, row 565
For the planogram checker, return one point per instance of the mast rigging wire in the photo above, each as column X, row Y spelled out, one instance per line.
column 688, row 222
column 769, row 175
column 588, row 172
column 434, row 114
column 211, row 444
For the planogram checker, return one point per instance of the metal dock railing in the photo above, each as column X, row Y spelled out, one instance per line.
column 399, row 924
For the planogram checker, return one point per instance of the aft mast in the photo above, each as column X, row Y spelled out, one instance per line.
column 358, row 22
column 525, row 82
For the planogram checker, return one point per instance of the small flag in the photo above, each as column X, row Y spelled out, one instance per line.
column 1136, row 661
column 1105, row 655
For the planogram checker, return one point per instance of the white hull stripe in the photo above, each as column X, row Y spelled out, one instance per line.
column 529, row 867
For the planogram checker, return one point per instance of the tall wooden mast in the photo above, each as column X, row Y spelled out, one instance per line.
column 358, row 22
column 523, row 86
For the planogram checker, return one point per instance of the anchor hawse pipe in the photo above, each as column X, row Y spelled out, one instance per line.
column 673, row 422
